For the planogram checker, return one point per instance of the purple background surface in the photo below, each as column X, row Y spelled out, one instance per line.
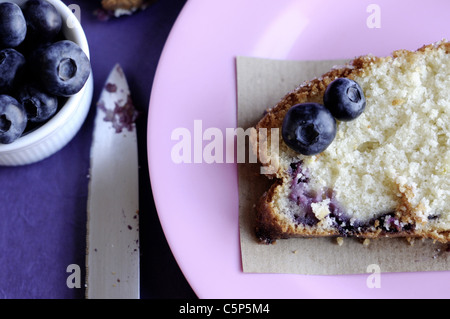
column 43, row 205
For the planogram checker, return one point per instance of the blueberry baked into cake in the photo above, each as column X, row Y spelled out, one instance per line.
column 363, row 151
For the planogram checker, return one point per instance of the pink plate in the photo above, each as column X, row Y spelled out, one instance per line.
column 198, row 202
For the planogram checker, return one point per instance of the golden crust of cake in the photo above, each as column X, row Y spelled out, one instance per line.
column 270, row 226
column 273, row 224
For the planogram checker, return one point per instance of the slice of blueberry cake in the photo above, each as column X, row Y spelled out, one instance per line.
column 364, row 151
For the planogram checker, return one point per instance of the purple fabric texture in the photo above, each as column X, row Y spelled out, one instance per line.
column 43, row 205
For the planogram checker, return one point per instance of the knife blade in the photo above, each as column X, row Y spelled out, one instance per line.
column 112, row 261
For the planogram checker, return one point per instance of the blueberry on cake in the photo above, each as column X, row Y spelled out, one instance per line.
column 364, row 151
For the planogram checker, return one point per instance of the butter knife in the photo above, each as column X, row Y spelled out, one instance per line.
column 112, row 261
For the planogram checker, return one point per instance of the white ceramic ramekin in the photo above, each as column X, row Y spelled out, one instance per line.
column 64, row 125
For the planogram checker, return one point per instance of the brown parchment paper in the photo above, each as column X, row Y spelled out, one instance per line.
column 261, row 83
